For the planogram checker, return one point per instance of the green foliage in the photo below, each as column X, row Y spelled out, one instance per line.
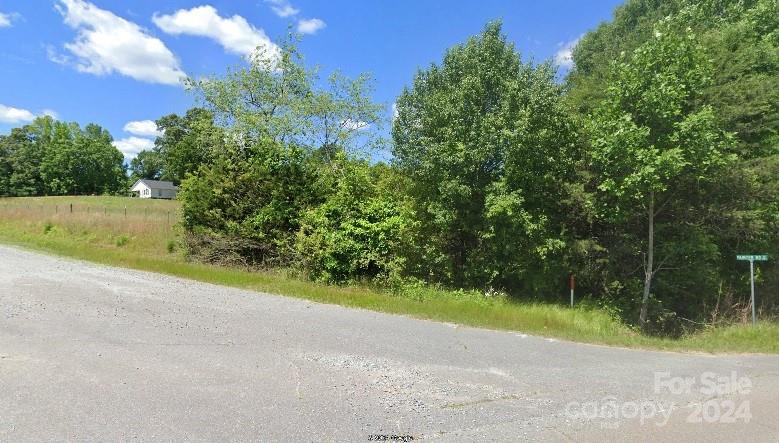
column 49, row 157
column 148, row 165
column 276, row 97
column 187, row 142
column 655, row 151
column 122, row 240
column 711, row 204
column 360, row 230
column 740, row 37
column 255, row 193
column 650, row 134
column 281, row 130
column 487, row 144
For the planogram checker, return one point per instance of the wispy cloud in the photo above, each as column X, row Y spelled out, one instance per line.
column 235, row 34
column 564, row 56
column 310, row 26
column 282, row 8
column 51, row 113
column 6, row 19
column 106, row 43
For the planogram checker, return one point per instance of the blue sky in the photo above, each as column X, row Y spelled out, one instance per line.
column 117, row 62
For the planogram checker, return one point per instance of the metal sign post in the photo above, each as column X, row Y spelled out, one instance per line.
column 752, row 259
column 571, row 285
column 752, row 286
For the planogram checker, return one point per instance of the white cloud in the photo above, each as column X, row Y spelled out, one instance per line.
column 564, row 56
column 12, row 115
column 282, row 8
column 235, row 34
column 56, row 57
column 51, row 113
column 131, row 146
column 143, row 128
column 6, row 19
column 106, row 43
column 354, row 125
column 310, row 26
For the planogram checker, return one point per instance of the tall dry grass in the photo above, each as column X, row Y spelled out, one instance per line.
column 140, row 226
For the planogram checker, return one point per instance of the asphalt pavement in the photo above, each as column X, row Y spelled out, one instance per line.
column 95, row 353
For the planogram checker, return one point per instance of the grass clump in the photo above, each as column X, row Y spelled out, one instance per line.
column 122, row 240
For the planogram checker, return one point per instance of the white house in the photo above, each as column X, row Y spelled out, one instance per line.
column 154, row 189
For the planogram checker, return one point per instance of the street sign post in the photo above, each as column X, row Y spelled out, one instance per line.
column 571, row 285
column 752, row 258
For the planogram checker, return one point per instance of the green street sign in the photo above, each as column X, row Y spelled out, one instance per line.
column 752, row 257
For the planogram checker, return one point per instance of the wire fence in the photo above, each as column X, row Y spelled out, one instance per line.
column 134, row 212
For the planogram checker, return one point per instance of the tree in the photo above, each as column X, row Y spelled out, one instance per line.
column 655, row 146
column 186, row 143
column 80, row 161
column 487, row 144
column 19, row 161
column 361, row 230
column 147, row 164
column 740, row 37
column 278, row 98
column 276, row 125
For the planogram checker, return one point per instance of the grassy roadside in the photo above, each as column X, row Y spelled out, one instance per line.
column 100, row 231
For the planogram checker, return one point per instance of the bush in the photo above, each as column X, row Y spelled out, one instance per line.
column 358, row 231
column 249, row 202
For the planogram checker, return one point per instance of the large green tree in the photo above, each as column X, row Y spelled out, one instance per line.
column 186, row 143
column 279, row 123
column 147, row 164
column 656, row 149
column 488, row 146
column 741, row 39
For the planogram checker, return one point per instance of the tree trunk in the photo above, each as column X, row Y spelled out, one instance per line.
column 650, row 259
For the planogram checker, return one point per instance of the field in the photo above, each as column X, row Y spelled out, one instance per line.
column 142, row 234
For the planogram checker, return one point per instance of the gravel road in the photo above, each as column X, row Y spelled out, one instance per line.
column 94, row 353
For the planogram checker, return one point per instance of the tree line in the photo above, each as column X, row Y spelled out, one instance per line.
column 643, row 173
column 50, row 157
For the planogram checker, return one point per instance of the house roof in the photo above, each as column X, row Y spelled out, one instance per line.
column 156, row 184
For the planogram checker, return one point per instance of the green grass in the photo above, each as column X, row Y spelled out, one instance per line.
column 99, row 231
